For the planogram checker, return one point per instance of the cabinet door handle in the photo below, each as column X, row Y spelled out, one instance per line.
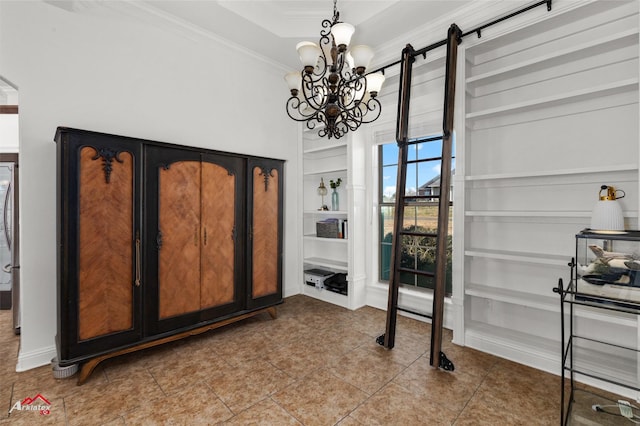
column 205, row 235
column 137, row 282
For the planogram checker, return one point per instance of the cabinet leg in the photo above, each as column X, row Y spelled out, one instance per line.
column 273, row 313
column 87, row 368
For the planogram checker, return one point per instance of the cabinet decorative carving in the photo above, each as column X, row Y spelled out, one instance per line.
column 158, row 241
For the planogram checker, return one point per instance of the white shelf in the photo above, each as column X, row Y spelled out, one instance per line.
column 328, row 263
column 325, row 171
column 516, row 256
column 558, row 55
column 562, row 172
column 313, row 237
column 326, row 212
column 327, row 296
column 546, row 303
column 319, row 147
column 595, row 91
column 537, row 213
column 526, row 213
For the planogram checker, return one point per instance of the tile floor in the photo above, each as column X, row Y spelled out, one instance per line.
column 316, row 364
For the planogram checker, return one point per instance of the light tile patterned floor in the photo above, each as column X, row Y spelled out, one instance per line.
column 316, row 364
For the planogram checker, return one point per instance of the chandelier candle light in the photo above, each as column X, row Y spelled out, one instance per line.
column 332, row 89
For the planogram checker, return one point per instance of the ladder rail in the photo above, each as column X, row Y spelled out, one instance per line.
column 402, row 133
column 437, row 357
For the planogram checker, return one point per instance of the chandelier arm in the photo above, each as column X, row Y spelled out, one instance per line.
column 314, row 91
column 348, row 90
column 320, row 71
column 373, row 105
column 294, row 104
column 351, row 119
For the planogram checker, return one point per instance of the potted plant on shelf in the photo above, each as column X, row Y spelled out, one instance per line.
column 335, row 202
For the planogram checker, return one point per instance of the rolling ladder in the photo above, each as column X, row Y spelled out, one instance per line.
column 437, row 357
column 454, row 37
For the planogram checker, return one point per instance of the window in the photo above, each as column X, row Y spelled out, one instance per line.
column 421, row 214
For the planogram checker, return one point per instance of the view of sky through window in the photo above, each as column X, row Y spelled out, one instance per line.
column 417, row 174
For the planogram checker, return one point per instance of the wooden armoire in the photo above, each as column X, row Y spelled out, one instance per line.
column 158, row 241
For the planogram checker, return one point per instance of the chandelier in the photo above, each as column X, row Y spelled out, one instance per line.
column 332, row 89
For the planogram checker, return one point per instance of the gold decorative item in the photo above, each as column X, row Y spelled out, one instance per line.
column 322, row 191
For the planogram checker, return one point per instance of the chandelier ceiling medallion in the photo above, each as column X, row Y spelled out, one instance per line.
column 332, row 89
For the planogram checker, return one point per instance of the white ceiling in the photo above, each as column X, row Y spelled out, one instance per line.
column 272, row 28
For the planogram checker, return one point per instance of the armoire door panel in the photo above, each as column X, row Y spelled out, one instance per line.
column 179, row 223
column 106, row 243
column 265, row 230
column 218, row 254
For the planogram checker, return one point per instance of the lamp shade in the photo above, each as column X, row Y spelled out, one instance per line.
column 309, row 53
column 342, row 33
column 362, row 56
column 374, row 82
column 607, row 216
column 294, row 80
column 607, row 213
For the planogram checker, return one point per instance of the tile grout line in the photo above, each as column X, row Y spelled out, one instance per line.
column 475, row 392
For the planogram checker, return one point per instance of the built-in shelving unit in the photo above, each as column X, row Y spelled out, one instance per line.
column 550, row 114
column 325, row 159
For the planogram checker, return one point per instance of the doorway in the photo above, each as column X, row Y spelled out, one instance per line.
column 9, row 229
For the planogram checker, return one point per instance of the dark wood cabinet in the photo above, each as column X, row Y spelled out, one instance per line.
column 195, row 232
column 157, row 241
column 265, row 239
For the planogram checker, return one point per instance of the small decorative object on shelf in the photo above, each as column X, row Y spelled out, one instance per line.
column 607, row 214
column 335, row 201
column 322, row 191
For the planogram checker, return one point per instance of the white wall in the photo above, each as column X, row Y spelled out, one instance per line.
column 8, row 132
column 116, row 75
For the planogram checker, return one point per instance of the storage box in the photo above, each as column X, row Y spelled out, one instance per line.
column 328, row 228
column 608, row 264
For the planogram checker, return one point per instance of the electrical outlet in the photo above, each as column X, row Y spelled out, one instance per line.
column 625, row 409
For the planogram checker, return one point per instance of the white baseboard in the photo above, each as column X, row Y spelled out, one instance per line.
column 540, row 357
column 34, row 359
column 378, row 294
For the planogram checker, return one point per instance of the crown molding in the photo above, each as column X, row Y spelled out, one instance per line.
column 154, row 16
column 468, row 17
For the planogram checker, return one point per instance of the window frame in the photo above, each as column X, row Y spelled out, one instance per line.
column 383, row 204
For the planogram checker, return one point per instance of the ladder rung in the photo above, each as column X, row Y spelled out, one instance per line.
column 421, row 140
column 420, row 314
column 417, row 272
column 423, row 160
column 419, row 234
column 420, row 196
